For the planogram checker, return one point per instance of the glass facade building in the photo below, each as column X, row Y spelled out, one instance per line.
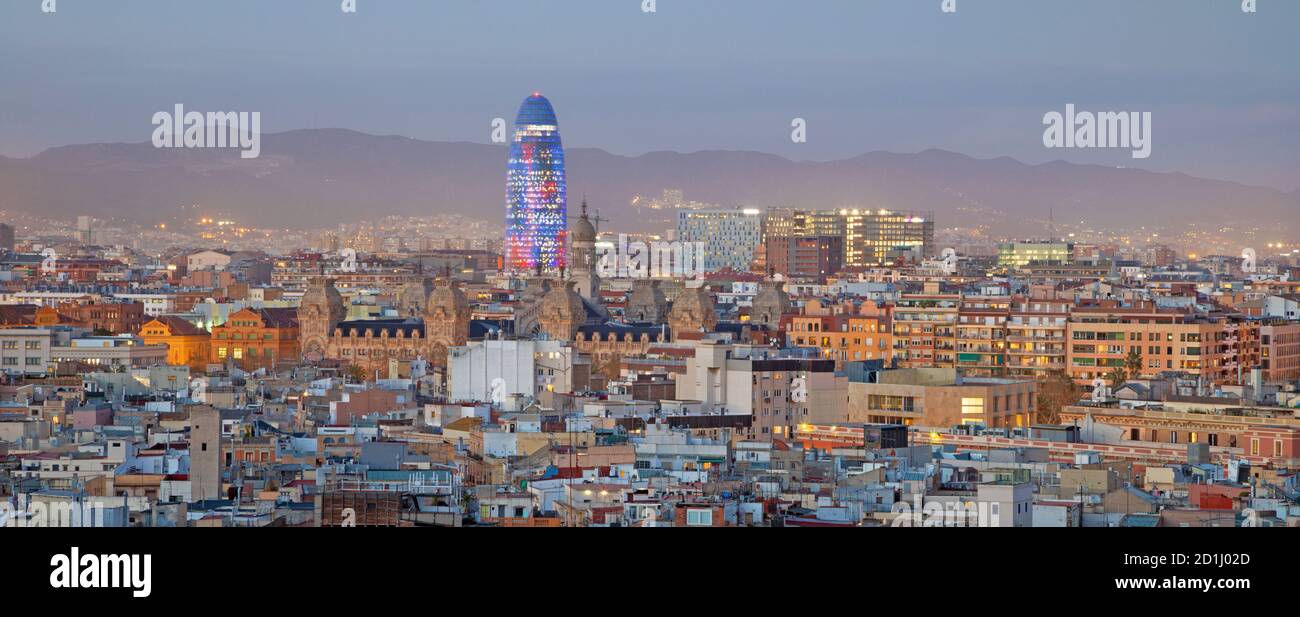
column 1018, row 254
column 536, row 211
column 869, row 234
column 729, row 237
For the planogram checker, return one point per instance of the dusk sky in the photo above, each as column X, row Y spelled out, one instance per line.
column 898, row 75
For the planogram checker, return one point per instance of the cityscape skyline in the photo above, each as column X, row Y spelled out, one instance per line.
column 1009, row 264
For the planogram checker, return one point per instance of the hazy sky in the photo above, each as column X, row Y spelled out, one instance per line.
column 1223, row 86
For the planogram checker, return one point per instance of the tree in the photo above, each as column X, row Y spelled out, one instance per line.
column 1055, row 391
column 356, row 374
column 1133, row 363
column 1117, row 376
column 611, row 366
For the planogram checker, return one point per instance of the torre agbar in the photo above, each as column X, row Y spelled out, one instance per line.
column 536, row 214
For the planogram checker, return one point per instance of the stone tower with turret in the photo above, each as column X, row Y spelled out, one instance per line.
column 446, row 321
column 319, row 312
column 582, row 255
column 769, row 305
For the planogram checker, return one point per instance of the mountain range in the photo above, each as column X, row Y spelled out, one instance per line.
column 322, row 177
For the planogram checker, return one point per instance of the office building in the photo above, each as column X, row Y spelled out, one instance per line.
column 536, row 207
column 729, row 237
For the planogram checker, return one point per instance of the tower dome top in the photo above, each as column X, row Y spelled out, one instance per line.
column 536, row 109
column 583, row 230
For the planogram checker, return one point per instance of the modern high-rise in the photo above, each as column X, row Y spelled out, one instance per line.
column 804, row 257
column 1018, row 254
column 536, row 212
column 6, row 237
column 869, row 235
column 85, row 230
column 729, row 237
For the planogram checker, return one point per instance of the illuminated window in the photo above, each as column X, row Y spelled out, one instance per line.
column 972, row 411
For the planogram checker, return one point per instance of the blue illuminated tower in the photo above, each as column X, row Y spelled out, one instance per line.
column 536, row 212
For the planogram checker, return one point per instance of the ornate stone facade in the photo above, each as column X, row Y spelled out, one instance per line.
column 446, row 321
column 769, row 305
column 647, row 303
column 319, row 312
column 413, row 296
column 693, row 311
column 562, row 312
column 427, row 326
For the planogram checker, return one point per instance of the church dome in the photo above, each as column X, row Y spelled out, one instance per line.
column 770, row 304
column 448, row 300
column 412, row 296
column 583, row 231
column 693, row 310
column 647, row 302
column 563, row 302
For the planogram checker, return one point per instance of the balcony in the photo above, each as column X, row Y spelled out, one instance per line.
column 1015, row 338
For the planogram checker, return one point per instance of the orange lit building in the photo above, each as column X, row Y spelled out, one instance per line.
column 1279, row 343
column 187, row 344
column 256, row 338
column 1219, row 349
column 843, row 338
column 925, row 330
column 982, row 334
column 1036, row 334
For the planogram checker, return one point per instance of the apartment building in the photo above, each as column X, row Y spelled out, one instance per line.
column 26, row 350
column 125, row 351
column 843, row 338
column 1036, row 334
column 778, row 392
column 925, row 330
column 1279, row 350
column 982, row 334
column 1219, row 349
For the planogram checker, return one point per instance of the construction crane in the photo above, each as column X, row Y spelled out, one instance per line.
column 595, row 220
